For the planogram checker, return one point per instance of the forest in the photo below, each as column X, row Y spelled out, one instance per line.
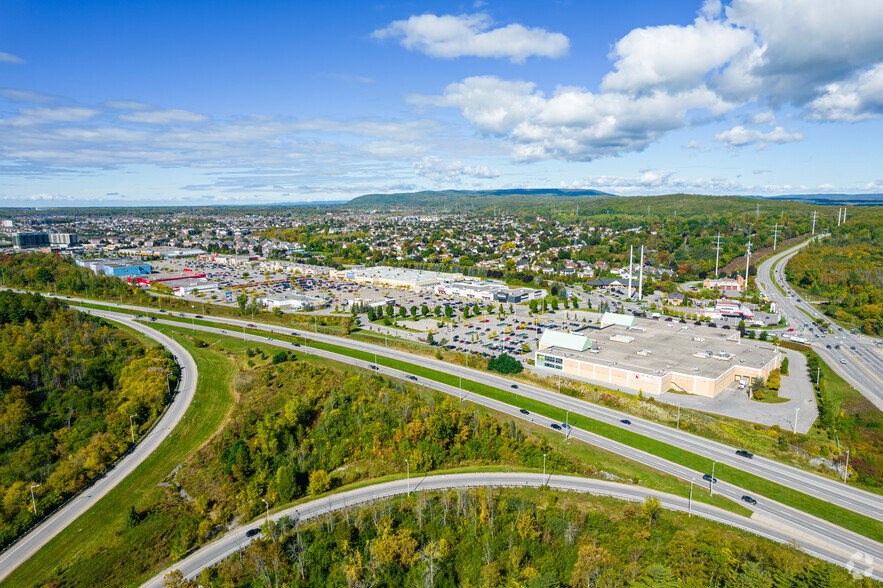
column 68, row 385
column 846, row 270
column 517, row 538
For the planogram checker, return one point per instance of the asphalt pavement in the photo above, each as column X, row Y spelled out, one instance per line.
column 862, row 367
column 43, row 533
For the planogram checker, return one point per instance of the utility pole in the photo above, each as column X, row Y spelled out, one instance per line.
column 712, row 481
column 845, row 470
column 544, row 468
column 775, row 235
column 796, row 412
column 34, row 502
column 757, row 211
column 132, row 425
column 747, row 261
column 678, row 425
column 717, row 256
column 268, row 515
column 839, row 212
column 814, row 215
column 641, row 277
column 631, row 260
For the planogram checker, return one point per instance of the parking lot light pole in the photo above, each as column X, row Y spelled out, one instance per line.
column 33, row 501
column 544, row 468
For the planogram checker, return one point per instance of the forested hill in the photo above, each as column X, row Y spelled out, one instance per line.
column 68, row 383
column 475, row 199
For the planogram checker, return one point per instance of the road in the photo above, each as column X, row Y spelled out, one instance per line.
column 42, row 534
column 810, row 483
column 862, row 366
column 799, row 524
column 235, row 540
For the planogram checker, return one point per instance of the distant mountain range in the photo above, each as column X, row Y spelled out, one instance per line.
column 855, row 199
column 434, row 200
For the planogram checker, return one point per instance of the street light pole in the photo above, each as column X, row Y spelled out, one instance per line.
column 846, row 469
column 33, row 501
column 690, row 504
column 132, row 426
column 678, row 426
column 711, row 481
column 268, row 515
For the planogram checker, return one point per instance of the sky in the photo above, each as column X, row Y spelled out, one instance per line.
column 149, row 102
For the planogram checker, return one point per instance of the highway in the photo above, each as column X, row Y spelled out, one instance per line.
column 838, row 542
column 862, row 367
column 43, row 533
column 235, row 540
column 810, row 483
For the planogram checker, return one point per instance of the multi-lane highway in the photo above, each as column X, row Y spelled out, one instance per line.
column 43, row 533
column 236, row 539
column 859, row 359
column 839, row 544
column 810, row 483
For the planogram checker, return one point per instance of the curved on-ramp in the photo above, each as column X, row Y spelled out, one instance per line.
column 40, row 535
column 235, row 540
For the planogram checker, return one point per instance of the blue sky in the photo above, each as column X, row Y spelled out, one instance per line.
column 146, row 102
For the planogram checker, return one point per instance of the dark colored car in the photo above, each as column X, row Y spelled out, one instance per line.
column 515, row 385
column 295, row 344
column 556, row 426
column 743, row 453
column 626, row 422
column 748, row 499
column 373, row 367
column 412, row 378
column 252, row 532
column 708, row 478
column 524, row 411
column 249, row 325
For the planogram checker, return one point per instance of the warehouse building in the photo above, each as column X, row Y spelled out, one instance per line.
column 396, row 277
column 116, row 268
column 290, row 300
column 187, row 286
column 655, row 359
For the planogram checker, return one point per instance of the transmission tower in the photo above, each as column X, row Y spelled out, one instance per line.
column 814, row 215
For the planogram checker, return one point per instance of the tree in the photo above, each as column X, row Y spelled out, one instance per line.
column 466, row 312
column 389, row 310
column 449, row 312
column 286, row 483
column 242, row 301
column 424, row 310
column 476, row 310
column 414, row 311
column 320, row 481
column 429, row 338
column 590, row 562
column 346, row 326
column 403, row 312
column 505, row 364
column 652, row 507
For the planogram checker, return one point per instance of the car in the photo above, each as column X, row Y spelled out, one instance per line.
column 556, row 426
column 625, row 422
column 743, row 453
column 515, row 386
column 293, row 334
column 836, row 347
column 373, row 367
column 853, row 347
column 709, row 478
column 223, row 332
column 790, row 330
column 843, row 361
column 748, row 499
column 412, row 378
column 828, row 346
column 199, row 316
column 252, row 532
column 295, row 344
column 566, row 426
column 524, row 411
column 249, row 325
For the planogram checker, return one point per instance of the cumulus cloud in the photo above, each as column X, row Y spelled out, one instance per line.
column 851, row 101
column 450, row 36
column 739, row 136
column 572, row 124
column 648, row 179
column 127, row 105
column 164, row 117
column 443, row 172
column 10, row 58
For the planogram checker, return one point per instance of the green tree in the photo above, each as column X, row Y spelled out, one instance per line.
column 286, row 483
column 320, row 481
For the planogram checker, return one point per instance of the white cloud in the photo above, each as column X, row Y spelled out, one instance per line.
column 41, row 114
column 851, row 101
column 29, row 96
column 763, row 117
column 450, row 36
column 127, row 105
column 648, row 179
column 674, row 57
column 451, row 173
column 739, row 136
column 10, row 58
column 164, row 117
column 572, row 124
